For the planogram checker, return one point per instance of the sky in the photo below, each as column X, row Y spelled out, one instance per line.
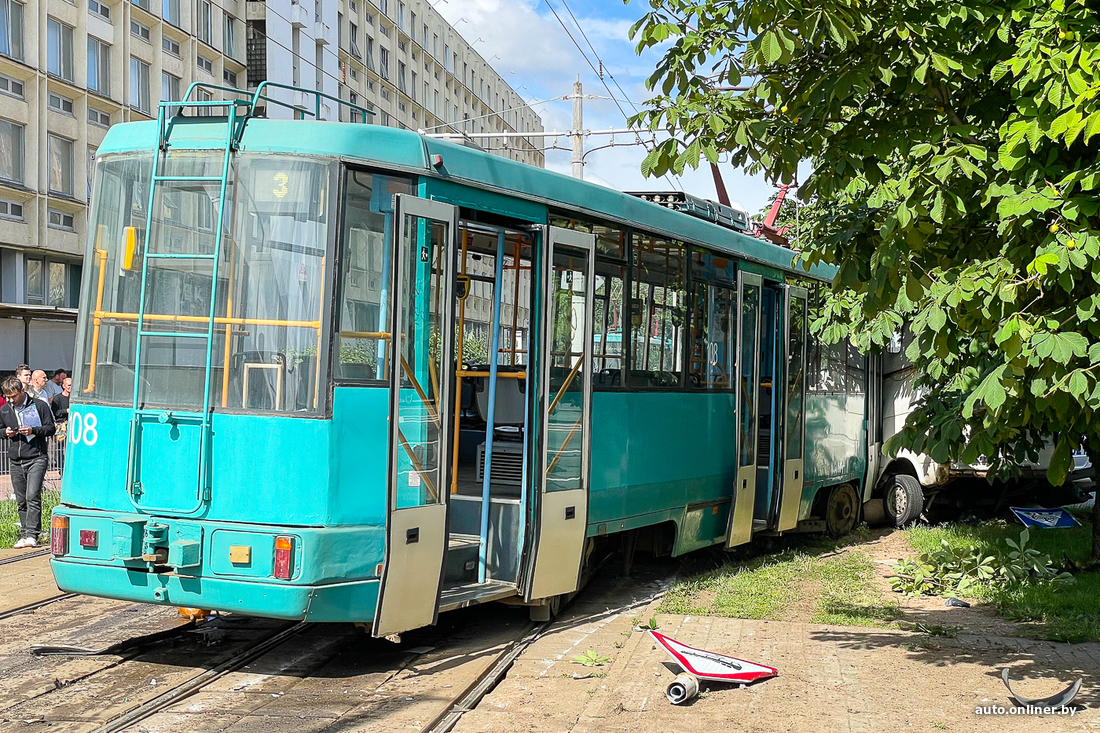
column 531, row 50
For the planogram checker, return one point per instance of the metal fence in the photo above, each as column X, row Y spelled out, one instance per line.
column 56, row 450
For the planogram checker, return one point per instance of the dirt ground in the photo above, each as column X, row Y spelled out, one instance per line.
column 830, row 677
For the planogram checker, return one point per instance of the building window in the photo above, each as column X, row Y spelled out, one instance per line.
column 99, row 67
column 11, row 29
column 170, row 46
column 385, row 119
column 353, row 36
column 59, row 49
column 351, row 5
column 60, row 220
column 369, row 60
column 230, row 37
column 401, row 15
column 170, row 11
column 139, row 85
column 401, row 76
column 59, row 103
column 103, row 10
column 384, row 6
column 384, row 63
column 401, row 106
column 99, row 117
column 11, row 87
column 169, row 87
column 143, row 4
column 368, row 18
column 11, row 209
column 35, row 287
column 384, row 30
column 140, row 30
column 60, row 165
column 206, row 22
column 11, row 151
column 203, row 95
column 206, row 64
column 230, row 77
column 401, row 47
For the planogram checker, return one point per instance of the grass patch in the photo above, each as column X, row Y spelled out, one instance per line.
column 794, row 585
column 9, row 516
column 1059, row 613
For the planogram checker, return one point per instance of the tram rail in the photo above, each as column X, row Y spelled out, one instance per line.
column 36, row 605
column 25, row 556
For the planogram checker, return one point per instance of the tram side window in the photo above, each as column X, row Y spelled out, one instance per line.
column 658, row 310
column 363, row 331
column 609, row 311
column 608, row 316
column 833, row 368
column 712, row 352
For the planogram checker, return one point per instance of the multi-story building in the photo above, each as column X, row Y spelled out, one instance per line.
column 403, row 61
column 69, row 70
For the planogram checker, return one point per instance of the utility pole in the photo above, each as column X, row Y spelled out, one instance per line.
column 578, row 126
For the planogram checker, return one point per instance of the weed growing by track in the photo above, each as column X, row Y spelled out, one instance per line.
column 804, row 584
column 9, row 517
column 1063, row 613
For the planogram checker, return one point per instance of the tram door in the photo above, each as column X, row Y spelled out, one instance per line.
column 794, row 407
column 747, row 392
column 420, row 375
column 566, row 420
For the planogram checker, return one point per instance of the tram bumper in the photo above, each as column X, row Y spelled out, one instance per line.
column 301, row 573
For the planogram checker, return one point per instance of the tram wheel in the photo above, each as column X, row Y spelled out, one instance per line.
column 903, row 500
column 546, row 611
column 841, row 511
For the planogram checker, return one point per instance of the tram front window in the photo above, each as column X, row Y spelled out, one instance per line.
column 268, row 284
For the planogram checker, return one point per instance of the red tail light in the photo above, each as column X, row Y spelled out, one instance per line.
column 284, row 557
column 59, row 535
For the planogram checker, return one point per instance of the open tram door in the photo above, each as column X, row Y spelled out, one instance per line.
column 565, row 404
column 421, row 374
column 794, row 407
column 748, row 367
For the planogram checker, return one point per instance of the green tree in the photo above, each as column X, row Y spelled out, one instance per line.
column 955, row 143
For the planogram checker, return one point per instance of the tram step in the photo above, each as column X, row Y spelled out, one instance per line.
column 460, row 596
column 462, row 557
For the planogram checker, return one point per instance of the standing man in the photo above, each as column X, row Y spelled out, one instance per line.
column 24, row 373
column 26, row 424
column 53, row 387
column 38, row 386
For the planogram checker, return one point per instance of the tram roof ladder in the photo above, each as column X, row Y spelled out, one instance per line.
column 240, row 106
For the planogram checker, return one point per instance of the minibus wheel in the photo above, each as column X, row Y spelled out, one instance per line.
column 903, row 500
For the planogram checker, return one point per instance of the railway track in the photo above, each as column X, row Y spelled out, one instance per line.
column 25, row 556
column 36, row 605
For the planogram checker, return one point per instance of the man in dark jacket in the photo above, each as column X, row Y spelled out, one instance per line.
column 26, row 424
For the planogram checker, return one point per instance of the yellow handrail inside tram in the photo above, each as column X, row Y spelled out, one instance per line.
column 320, row 315
column 458, row 374
column 417, row 465
column 568, row 381
column 419, row 391
column 98, row 307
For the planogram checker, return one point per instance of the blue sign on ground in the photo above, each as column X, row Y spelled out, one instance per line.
column 1045, row 518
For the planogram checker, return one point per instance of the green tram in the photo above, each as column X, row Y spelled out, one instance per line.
column 345, row 372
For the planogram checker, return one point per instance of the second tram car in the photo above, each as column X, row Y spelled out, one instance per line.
column 344, row 372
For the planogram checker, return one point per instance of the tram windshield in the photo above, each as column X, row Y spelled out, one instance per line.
column 263, row 281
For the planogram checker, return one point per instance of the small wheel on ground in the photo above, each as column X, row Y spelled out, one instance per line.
column 903, row 500
column 841, row 511
column 547, row 611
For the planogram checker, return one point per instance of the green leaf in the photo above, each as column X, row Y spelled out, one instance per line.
column 770, row 47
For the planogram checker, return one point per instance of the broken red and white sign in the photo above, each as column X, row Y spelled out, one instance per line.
column 711, row 665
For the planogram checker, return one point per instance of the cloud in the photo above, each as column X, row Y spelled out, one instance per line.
column 539, row 61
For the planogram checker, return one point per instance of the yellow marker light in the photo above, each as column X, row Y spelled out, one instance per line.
column 130, row 240
column 240, row 554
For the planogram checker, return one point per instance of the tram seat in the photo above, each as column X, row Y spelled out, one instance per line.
column 508, row 416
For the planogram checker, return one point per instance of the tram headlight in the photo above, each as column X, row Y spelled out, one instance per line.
column 284, row 557
column 59, row 535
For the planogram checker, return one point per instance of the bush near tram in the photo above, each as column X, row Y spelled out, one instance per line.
column 953, row 149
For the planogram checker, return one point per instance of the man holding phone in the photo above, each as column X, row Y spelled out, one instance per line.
column 26, row 423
